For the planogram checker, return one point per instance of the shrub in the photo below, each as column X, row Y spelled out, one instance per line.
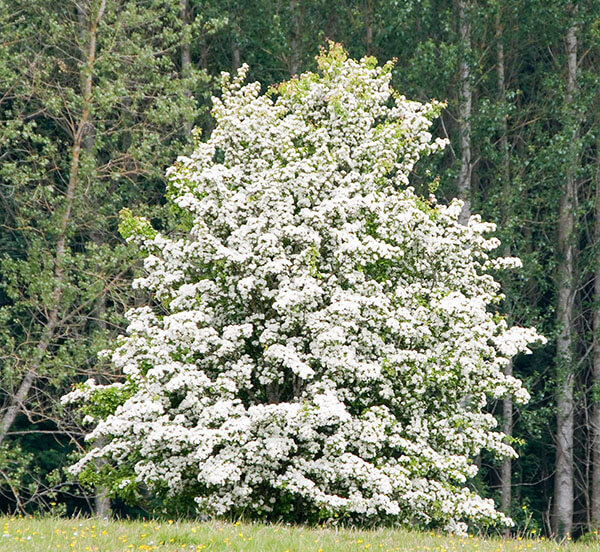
column 323, row 341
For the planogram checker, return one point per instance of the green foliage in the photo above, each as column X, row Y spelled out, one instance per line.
column 142, row 103
column 130, row 226
column 105, row 400
column 64, row 270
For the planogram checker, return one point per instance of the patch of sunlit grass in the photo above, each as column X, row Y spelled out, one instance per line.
column 23, row 534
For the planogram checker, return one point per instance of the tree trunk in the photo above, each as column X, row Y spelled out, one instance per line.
column 186, row 56
column 102, row 503
column 236, row 61
column 295, row 38
column 506, row 470
column 81, row 131
column 595, row 421
column 464, row 109
column 563, row 481
column 368, row 11
column 507, row 404
column 102, row 506
column 235, row 55
column 204, row 50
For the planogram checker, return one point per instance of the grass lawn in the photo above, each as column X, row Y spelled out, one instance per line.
column 89, row 535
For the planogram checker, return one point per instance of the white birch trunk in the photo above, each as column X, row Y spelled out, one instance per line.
column 595, row 418
column 368, row 12
column 507, row 404
column 186, row 56
column 464, row 110
column 295, row 38
column 562, row 523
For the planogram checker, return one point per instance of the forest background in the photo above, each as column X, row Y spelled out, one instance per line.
column 98, row 97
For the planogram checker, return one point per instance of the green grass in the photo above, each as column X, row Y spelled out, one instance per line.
column 93, row 535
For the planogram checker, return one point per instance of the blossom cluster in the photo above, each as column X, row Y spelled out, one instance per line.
column 324, row 341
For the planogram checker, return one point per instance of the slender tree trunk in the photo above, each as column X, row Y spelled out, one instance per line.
column 235, row 55
column 563, row 479
column 295, row 38
column 204, row 49
column 81, row 131
column 506, row 469
column 507, row 404
column 368, row 10
column 186, row 56
column 464, row 109
column 595, row 421
column 235, row 42
column 102, row 504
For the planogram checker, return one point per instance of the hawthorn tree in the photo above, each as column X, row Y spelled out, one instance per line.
column 323, row 341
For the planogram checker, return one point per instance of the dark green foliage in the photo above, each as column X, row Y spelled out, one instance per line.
column 139, row 108
column 92, row 110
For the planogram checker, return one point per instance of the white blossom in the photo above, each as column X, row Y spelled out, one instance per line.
column 325, row 342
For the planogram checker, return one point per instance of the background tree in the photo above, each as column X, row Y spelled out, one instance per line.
column 94, row 107
column 41, row 90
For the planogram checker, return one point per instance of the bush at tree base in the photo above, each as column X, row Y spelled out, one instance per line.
column 324, row 341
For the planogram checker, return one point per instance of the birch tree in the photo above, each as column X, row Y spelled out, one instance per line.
column 465, row 102
column 595, row 416
column 566, row 287
column 94, row 109
column 507, row 405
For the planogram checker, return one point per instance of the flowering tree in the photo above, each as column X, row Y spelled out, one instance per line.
column 322, row 343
